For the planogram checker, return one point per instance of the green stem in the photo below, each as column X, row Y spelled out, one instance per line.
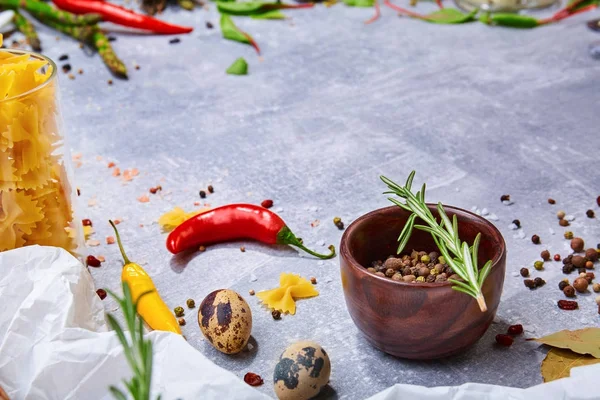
column 186, row 4
column 44, row 11
column 125, row 258
column 27, row 29
column 286, row 236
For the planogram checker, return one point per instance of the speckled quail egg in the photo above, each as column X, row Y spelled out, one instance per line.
column 225, row 319
column 302, row 371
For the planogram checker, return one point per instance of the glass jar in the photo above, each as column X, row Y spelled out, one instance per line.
column 503, row 5
column 36, row 193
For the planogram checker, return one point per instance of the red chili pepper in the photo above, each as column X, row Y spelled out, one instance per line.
column 234, row 222
column 120, row 15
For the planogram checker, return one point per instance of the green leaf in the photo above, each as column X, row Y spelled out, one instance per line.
column 272, row 14
column 409, row 180
column 244, row 8
column 485, row 271
column 406, row 232
column 239, row 67
column 117, row 394
column 450, row 16
column 461, row 284
column 510, row 20
column 232, row 32
column 360, row 3
column 465, row 291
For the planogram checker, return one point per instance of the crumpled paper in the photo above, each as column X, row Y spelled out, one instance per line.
column 54, row 344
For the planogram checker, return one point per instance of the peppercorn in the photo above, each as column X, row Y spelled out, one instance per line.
column 545, row 255
column 567, row 268
column 313, row 280
column 557, row 257
column 581, row 270
column 251, row 292
column 174, row 40
column 181, row 321
column 524, row 272
column 569, row 291
column 577, row 244
column 568, row 235
column 211, row 189
column 442, row 260
column 430, row 278
column 561, row 214
column 406, row 271
column 580, row 284
column 539, row 265
column 578, row 261
column 93, row 261
column 535, row 239
column 598, row 300
column 267, row 203
column 190, row 303
column 529, row 283
column 504, row 340
column 563, row 222
column 425, row 259
column 242, row 249
column 589, row 276
column 178, row 311
column 86, row 222
column 505, row 197
column 596, row 287
column 515, row 329
column 598, row 201
column 66, row 68
column 440, row 278
column 551, row 201
column 378, row 273
column 421, row 279
column 591, row 254
column 517, row 223
column 394, row 263
column 567, row 305
column 589, row 265
column 101, row 293
column 539, row 282
column 562, row 285
column 110, row 82
column 137, row 67
column 590, row 213
column 64, row 57
column 397, row 276
column 409, row 278
column 276, row 314
column 201, row 249
column 202, row 194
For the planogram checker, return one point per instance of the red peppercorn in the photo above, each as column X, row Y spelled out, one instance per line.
column 267, row 203
column 86, row 222
column 515, row 329
column 101, row 293
column 567, row 305
column 535, row 239
column 93, row 261
column 557, row 257
column 504, row 340
column 253, row 379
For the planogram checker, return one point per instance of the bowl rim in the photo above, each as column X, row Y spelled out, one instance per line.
column 346, row 254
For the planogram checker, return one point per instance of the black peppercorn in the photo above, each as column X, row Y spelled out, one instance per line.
column 517, row 223
column 524, row 272
column 545, row 255
column 211, row 189
column 529, row 283
column 567, row 268
column 535, row 239
column 202, row 194
column 276, row 314
column 505, row 197
column 551, row 201
column 590, row 213
column 562, row 285
column 539, row 282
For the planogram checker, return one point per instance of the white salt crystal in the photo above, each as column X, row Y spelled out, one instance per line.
column 321, row 243
column 519, row 235
column 279, row 210
column 551, row 231
column 321, row 262
column 515, row 274
column 583, row 321
column 484, row 212
column 473, row 208
column 507, row 202
column 513, row 227
column 492, row 217
column 328, row 280
column 253, row 278
column 570, row 217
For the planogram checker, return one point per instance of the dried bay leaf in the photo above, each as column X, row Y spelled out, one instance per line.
column 558, row 363
column 582, row 341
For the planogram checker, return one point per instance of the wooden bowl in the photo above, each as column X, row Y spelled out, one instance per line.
column 416, row 320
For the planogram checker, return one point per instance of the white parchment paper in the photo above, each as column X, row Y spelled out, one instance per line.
column 54, row 344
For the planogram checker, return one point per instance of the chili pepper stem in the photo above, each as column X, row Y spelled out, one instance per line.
column 125, row 258
column 377, row 14
column 286, row 236
column 403, row 10
column 439, row 3
column 252, row 43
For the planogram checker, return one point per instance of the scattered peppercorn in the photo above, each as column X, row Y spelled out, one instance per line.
column 578, row 261
column 589, row 276
column 567, row 305
column 535, row 239
column 276, row 314
column 110, row 82
column 251, row 292
column 80, row 71
column 515, row 329
column 64, row 57
column 211, row 189
column 568, row 235
column 569, row 291
column 539, row 282
column 591, row 254
column 425, row 259
column 529, row 283
column 253, row 379
column 181, row 321
column 112, row 38
column 557, row 257
column 202, row 194
column 79, row 194
column 190, row 303
column 562, row 285
column 86, row 222
column 581, row 285
column 201, row 249
column 577, row 244
column 137, row 67
column 209, row 25
column 337, row 221
column 178, row 311
column 539, row 265
column 589, row 265
column 598, row 300
column 267, row 203
column 242, row 249
column 517, row 223
column 153, row 190
column 93, row 261
column 505, row 197
column 590, row 213
column 71, row 76
column 101, row 293
column 561, row 214
column 563, row 222
column 66, row 68
column 551, row 201
column 313, row 280
column 545, row 255
column 524, row 272
column 174, row 40
column 504, row 340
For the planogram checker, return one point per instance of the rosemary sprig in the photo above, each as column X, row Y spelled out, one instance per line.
column 461, row 257
column 138, row 351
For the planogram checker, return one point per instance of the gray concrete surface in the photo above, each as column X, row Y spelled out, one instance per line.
column 477, row 111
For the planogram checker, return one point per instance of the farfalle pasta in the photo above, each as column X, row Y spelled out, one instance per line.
column 36, row 205
column 283, row 298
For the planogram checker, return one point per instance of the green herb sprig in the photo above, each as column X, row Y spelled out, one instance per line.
column 137, row 350
column 461, row 257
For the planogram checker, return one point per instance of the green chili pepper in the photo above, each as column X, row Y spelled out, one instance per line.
column 511, row 20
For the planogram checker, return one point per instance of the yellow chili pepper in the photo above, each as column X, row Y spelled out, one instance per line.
column 151, row 307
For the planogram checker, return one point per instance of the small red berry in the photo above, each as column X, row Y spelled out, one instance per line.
column 267, row 203
column 557, row 257
column 504, row 340
column 515, row 329
column 93, row 261
column 253, row 379
column 101, row 293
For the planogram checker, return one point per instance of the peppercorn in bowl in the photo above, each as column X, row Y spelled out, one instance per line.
column 416, row 319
